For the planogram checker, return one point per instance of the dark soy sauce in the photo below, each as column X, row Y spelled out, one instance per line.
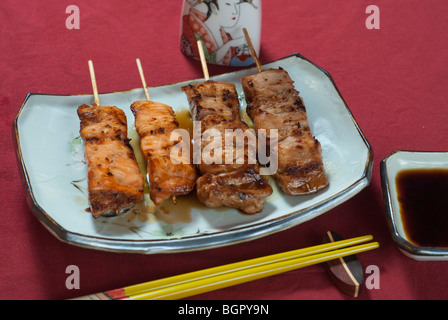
column 423, row 199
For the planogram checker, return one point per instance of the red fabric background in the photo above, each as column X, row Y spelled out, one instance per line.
column 393, row 79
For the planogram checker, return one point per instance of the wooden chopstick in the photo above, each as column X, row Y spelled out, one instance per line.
column 193, row 283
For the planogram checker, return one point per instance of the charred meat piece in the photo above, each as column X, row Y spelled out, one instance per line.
column 170, row 174
column 274, row 103
column 114, row 181
column 232, row 176
column 213, row 98
column 243, row 189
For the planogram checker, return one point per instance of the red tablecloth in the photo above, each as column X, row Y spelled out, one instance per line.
column 393, row 79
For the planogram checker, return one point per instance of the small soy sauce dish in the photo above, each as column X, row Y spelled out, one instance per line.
column 415, row 195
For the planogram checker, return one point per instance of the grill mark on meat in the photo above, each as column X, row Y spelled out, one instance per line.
column 215, row 104
column 114, row 181
column 155, row 123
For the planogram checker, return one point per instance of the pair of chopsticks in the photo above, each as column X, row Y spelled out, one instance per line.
column 194, row 283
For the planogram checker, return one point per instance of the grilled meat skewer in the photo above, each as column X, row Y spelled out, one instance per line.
column 169, row 174
column 114, row 181
column 239, row 185
column 274, row 103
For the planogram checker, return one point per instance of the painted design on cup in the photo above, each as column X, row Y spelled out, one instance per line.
column 219, row 24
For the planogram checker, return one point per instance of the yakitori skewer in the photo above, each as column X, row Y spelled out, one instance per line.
column 274, row 103
column 114, row 181
column 170, row 174
column 223, row 180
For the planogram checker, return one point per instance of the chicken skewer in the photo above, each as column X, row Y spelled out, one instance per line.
column 227, row 181
column 274, row 103
column 114, row 181
column 170, row 174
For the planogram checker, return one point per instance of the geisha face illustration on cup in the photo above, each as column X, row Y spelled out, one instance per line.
column 219, row 24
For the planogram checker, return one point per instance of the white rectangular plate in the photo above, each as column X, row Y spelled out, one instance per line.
column 54, row 174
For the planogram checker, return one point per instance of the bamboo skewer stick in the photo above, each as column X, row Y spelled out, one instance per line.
column 142, row 77
column 203, row 61
column 252, row 50
column 94, row 86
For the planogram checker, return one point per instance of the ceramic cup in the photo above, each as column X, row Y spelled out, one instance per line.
column 219, row 24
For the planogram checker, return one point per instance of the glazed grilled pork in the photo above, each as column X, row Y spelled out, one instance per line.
column 114, row 180
column 232, row 179
column 274, row 103
column 170, row 174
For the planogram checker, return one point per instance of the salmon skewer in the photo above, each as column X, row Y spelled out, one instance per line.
column 115, row 184
column 239, row 185
column 274, row 103
column 170, row 174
